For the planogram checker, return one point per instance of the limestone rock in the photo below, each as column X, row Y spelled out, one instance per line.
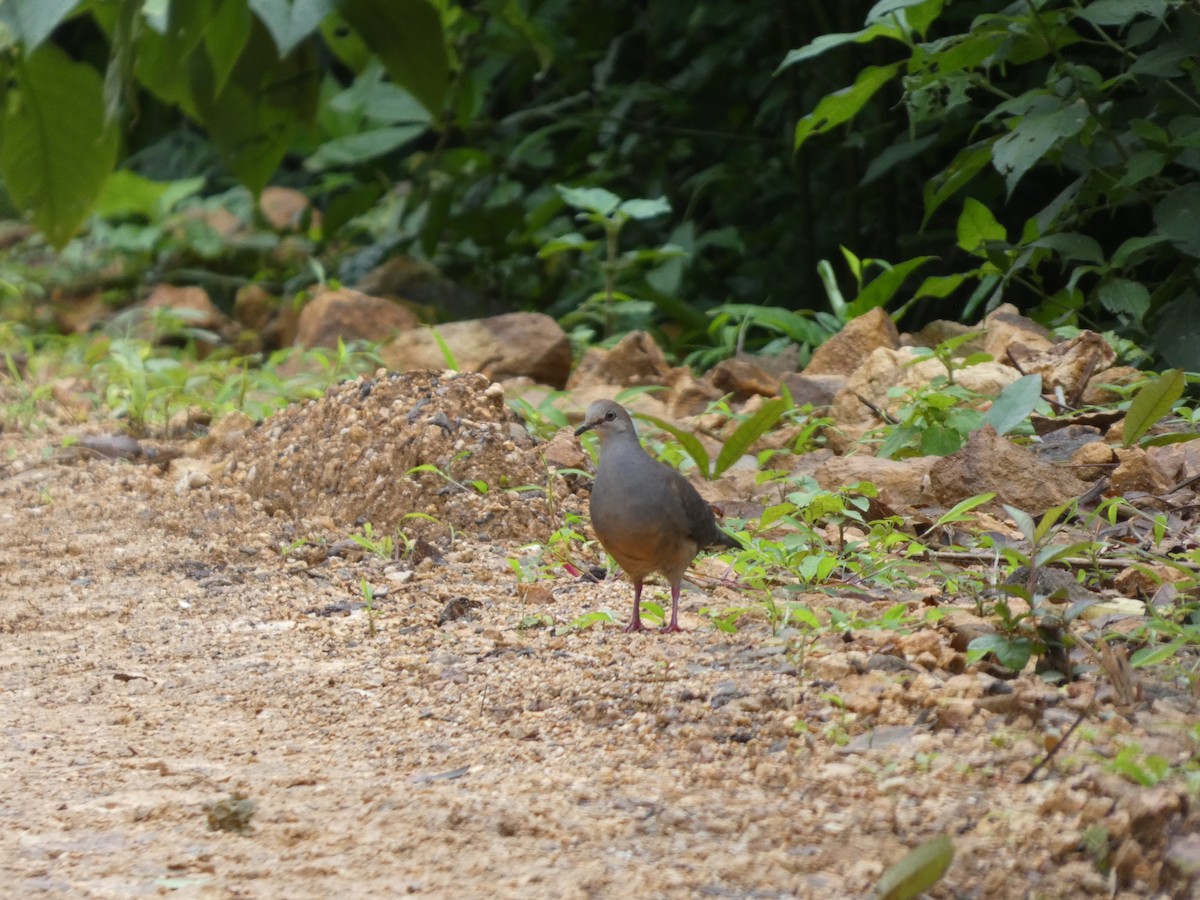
column 843, row 353
column 507, row 346
column 988, row 463
column 1005, row 328
column 351, row 315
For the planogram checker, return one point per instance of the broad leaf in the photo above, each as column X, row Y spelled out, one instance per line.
column 645, row 209
column 1150, row 404
column 597, row 200
column 358, row 148
column 883, row 287
column 262, row 107
column 1014, row 404
column 1012, row 653
column 57, row 150
column 841, row 106
column 32, row 21
column 828, row 41
column 691, row 443
column 917, row 872
column 1034, row 135
column 407, row 37
column 1176, row 215
column 291, row 21
column 977, row 226
column 1124, row 297
column 748, row 432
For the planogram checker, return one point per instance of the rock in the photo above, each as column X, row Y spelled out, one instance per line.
column 843, row 353
column 78, row 315
column 563, row 451
column 417, row 282
column 508, row 346
column 1093, row 460
column 899, row 480
column 254, row 306
column 941, row 330
column 1137, row 471
column 1062, row 444
column 1098, row 391
column 988, row 462
column 1066, row 367
column 193, row 305
column 815, row 390
column 635, row 360
column 887, row 369
column 350, row 315
column 287, row 209
column 743, row 378
column 1005, row 328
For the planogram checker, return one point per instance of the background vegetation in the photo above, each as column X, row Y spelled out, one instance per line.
column 1042, row 153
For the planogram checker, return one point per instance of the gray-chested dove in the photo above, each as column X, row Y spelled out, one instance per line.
column 647, row 515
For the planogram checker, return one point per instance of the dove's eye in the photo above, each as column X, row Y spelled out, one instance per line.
column 610, row 415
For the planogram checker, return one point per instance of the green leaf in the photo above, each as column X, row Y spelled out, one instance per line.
column 358, row 148
column 225, row 39
column 645, row 209
column 1072, row 246
column 1124, row 297
column 32, row 21
column 1176, row 215
column 939, row 440
column 1034, row 135
column 843, row 105
column 958, row 512
column 977, row 226
column 291, row 21
column 126, row 194
column 882, row 288
column 939, row 286
column 917, row 872
column 748, row 432
column 262, row 107
column 1014, row 404
column 56, row 151
column 1152, row 656
column 1012, row 653
column 1120, row 13
column 597, row 200
column 968, row 163
column 1135, row 249
column 794, row 325
column 691, row 444
column 1024, row 522
column 829, row 41
column 1150, row 404
column 407, row 37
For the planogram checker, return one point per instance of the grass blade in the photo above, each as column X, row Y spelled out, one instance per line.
column 748, row 432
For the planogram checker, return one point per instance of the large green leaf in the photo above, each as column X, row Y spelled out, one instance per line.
column 748, row 432
column 291, row 21
column 262, row 107
column 1176, row 216
column 841, row 106
column 977, row 226
column 407, row 37
column 32, row 21
column 225, row 37
column 1014, row 404
column 1124, row 297
column 880, row 289
column 1034, row 136
column 826, row 42
column 57, row 150
column 917, row 872
column 1150, row 404
column 163, row 56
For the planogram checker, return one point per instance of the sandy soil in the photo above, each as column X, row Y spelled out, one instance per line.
column 159, row 654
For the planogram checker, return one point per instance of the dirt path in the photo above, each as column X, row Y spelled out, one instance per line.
column 158, row 654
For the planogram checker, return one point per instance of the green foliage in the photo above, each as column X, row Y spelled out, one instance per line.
column 918, row 871
column 1070, row 130
column 747, row 432
column 1151, row 403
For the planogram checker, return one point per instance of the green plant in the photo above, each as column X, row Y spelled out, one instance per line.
column 368, row 595
column 749, row 430
column 381, row 545
column 1035, row 101
column 611, row 214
